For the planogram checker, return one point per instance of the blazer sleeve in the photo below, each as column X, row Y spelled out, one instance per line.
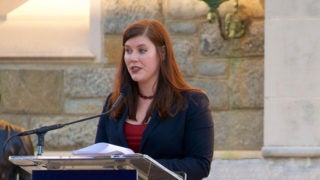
column 198, row 140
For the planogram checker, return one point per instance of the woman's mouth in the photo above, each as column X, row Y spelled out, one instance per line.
column 135, row 69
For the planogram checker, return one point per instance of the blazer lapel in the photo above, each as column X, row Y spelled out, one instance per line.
column 154, row 121
column 120, row 129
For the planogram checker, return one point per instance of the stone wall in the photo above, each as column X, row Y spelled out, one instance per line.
column 231, row 71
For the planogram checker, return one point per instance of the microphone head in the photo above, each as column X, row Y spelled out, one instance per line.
column 125, row 89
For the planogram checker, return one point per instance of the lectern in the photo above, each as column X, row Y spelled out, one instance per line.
column 144, row 166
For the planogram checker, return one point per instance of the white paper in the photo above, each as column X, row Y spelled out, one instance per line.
column 103, row 149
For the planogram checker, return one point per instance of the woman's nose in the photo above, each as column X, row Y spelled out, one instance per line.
column 133, row 56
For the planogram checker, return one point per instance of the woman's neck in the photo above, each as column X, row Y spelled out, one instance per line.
column 147, row 91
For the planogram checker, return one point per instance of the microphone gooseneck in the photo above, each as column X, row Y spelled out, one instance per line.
column 42, row 130
column 125, row 89
column 123, row 92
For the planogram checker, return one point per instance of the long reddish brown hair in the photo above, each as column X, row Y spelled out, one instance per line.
column 168, row 98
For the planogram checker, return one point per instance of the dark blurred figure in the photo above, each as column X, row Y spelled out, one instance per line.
column 17, row 146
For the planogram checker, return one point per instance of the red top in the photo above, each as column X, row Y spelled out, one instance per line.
column 133, row 134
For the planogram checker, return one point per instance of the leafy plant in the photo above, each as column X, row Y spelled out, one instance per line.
column 232, row 26
column 214, row 4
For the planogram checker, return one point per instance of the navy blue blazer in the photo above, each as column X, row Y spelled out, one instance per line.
column 180, row 143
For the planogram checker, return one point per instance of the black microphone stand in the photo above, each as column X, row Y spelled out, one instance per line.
column 40, row 143
column 43, row 130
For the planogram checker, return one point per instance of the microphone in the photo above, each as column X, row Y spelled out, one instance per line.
column 42, row 130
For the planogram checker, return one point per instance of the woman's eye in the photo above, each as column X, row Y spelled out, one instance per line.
column 142, row 51
column 128, row 51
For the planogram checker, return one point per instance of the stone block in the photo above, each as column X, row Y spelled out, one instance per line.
column 253, row 169
column 84, row 106
column 247, row 83
column 238, row 130
column 183, row 50
column 31, row 91
column 183, row 9
column 119, row 14
column 265, row 169
column 188, row 27
column 88, row 82
column 252, row 44
column 293, row 9
column 211, row 41
column 292, row 63
column 113, row 49
column 213, row 68
column 217, row 93
column 292, row 122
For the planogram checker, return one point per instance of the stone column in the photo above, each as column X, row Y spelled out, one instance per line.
column 292, row 79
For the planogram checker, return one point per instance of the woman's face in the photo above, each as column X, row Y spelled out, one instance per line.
column 142, row 60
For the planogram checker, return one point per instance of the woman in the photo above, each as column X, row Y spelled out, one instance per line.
column 161, row 116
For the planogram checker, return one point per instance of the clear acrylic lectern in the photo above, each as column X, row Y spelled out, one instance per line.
column 147, row 168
